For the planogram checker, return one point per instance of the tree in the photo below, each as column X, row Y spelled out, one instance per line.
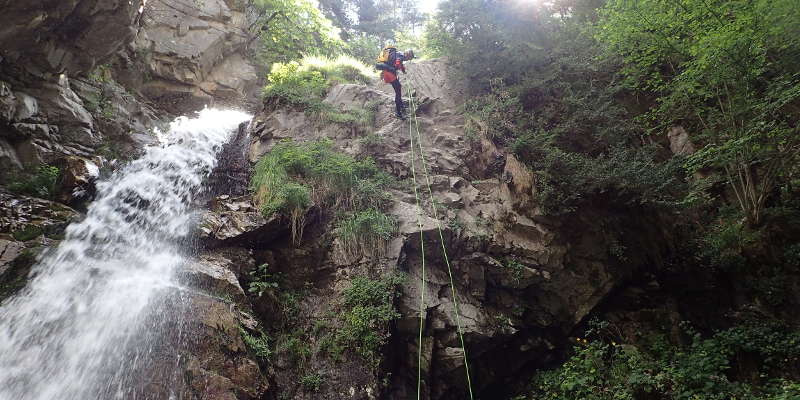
column 490, row 39
column 727, row 69
column 290, row 29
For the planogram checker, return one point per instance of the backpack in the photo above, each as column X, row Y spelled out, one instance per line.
column 387, row 54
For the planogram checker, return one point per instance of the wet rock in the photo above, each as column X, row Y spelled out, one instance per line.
column 218, row 365
column 216, row 274
column 27, row 218
column 76, row 182
column 236, row 220
column 9, row 251
column 16, row 260
column 28, row 226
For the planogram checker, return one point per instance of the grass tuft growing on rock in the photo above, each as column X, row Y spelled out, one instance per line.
column 304, row 85
column 296, row 176
column 257, row 344
column 311, row 382
column 366, row 232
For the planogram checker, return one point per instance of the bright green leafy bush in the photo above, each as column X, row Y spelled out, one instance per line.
column 291, row 29
column 600, row 370
column 725, row 70
column 304, row 85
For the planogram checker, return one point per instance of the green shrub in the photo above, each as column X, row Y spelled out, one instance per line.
column 568, row 179
column 725, row 244
column 39, row 182
column 515, row 268
column 792, row 255
column 261, row 280
column 296, row 176
column 600, row 370
column 579, row 145
column 311, row 382
column 367, row 310
column 296, row 347
column 495, row 116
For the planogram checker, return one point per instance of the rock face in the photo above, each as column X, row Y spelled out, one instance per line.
column 523, row 281
column 196, row 54
column 27, row 226
column 49, row 107
column 82, row 77
column 86, row 82
column 70, row 36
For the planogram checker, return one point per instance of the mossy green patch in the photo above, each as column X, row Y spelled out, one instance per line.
column 29, row 232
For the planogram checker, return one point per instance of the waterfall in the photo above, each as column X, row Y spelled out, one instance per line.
column 84, row 321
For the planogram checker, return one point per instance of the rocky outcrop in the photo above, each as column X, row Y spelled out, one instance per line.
column 524, row 281
column 50, row 106
column 200, row 351
column 82, row 78
column 195, row 54
column 28, row 226
column 217, row 362
column 48, row 38
column 679, row 141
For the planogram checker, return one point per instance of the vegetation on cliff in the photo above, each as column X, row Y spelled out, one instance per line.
column 586, row 94
column 296, row 176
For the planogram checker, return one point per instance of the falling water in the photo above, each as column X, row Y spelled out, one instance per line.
column 75, row 332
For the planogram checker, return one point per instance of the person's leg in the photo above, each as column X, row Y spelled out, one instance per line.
column 398, row 96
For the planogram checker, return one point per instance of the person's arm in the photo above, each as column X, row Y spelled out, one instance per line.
column 398, row 63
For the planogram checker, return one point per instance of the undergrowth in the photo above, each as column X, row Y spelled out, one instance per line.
column 703, row 369
column 257, row 344
column 262, row 280
column 366, row 232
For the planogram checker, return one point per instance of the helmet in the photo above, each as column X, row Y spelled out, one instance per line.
column 409, row 54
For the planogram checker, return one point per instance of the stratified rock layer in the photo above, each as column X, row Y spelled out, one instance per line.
column 196, row 54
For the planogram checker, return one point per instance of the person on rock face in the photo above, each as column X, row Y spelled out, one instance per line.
column 389, row 62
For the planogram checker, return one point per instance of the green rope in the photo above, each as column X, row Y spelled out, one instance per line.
column 422, row 249
column 441, row 239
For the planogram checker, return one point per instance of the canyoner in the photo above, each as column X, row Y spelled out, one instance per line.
column 390, row 62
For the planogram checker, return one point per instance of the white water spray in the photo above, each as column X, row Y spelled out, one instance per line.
column 75, row 332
